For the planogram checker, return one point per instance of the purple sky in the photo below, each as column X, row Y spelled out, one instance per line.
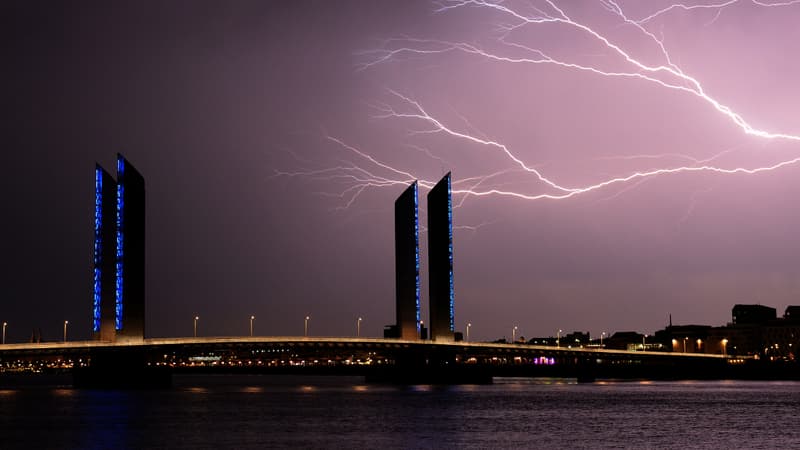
column 216, row 103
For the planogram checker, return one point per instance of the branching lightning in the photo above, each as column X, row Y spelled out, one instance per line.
column 370, row 172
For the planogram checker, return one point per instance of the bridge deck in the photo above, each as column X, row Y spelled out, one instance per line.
column 227, row 341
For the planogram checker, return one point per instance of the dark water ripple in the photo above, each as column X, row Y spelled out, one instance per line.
column 270, row 412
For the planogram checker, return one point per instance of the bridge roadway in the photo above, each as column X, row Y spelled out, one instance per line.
column 378, row 359
column 341, row 345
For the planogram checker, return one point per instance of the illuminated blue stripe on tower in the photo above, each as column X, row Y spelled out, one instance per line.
column 450, row 250
column 120, row 243
column 98, row 248
column 416, row 252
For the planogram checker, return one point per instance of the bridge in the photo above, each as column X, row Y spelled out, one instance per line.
column 120, row 355
column 377, row 359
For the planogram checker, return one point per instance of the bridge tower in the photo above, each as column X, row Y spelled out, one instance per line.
column 406, row 242
column 104, row 261
column 440, row 261
column 130, row 265
column 118, row 264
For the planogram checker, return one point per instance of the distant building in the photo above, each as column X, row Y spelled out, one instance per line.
column 440, row 261
column 575, row 339
column 683, row 338
column 756, row 331
column 792, row 313
column 406, row 245
column 130, row 264
column 104, row 260
column 752, row 314
column 622, row 339
column 552, row 340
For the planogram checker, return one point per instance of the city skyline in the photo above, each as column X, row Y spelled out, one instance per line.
column 239, row 116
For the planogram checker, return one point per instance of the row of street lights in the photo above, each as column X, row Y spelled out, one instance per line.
column 724, row 343
column 252, row 318
column 469, row 325
column 558, row 336
column 196, row 318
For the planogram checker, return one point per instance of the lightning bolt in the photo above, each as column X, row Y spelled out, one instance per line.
column 711, row 6
column 370, row 172
column 668, row 75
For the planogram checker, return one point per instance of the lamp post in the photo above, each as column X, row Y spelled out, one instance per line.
column 699, row 344
column 601, row 338
column 558, row 339
column 674, row 344
column 196, row 318
column 724, row 347
column 644, row 345
column 358, row 327
column 514, row 335
column 305, row 326
column 468, row 325
column 684, row 344
column 5, row 324
column 252, row 318
column 66, row 322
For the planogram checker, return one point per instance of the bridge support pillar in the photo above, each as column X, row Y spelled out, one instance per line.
column 587, row 370
column 121, row 368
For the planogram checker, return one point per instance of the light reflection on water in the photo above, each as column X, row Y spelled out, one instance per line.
column 260, row 412
column 253, row 389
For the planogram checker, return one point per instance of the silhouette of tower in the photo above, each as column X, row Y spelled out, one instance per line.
column 440, row 261
column 406, row 243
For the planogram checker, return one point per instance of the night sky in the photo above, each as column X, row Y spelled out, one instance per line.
column 274, row 137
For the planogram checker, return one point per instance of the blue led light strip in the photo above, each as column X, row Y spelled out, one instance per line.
column 416, row 251
column 120, row 243
column 98, row 248
column 450, row 252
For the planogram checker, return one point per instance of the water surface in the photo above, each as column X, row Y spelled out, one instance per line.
column 317, row 412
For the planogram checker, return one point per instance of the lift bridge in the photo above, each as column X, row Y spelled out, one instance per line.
column 120, row 355
column 153, row 361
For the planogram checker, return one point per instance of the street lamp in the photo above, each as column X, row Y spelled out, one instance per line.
column 674, row 344
column 601, row 338
column 514, row 335
column 468, row 325
column 5, row 324
column 196, row 318
column 65, row 330
column 699, row 344
column 644, row 336
column 558, row 339
column 725, row 345
column 305, row 326
column 358, row 327
column 684, row 344
column 252, row 318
